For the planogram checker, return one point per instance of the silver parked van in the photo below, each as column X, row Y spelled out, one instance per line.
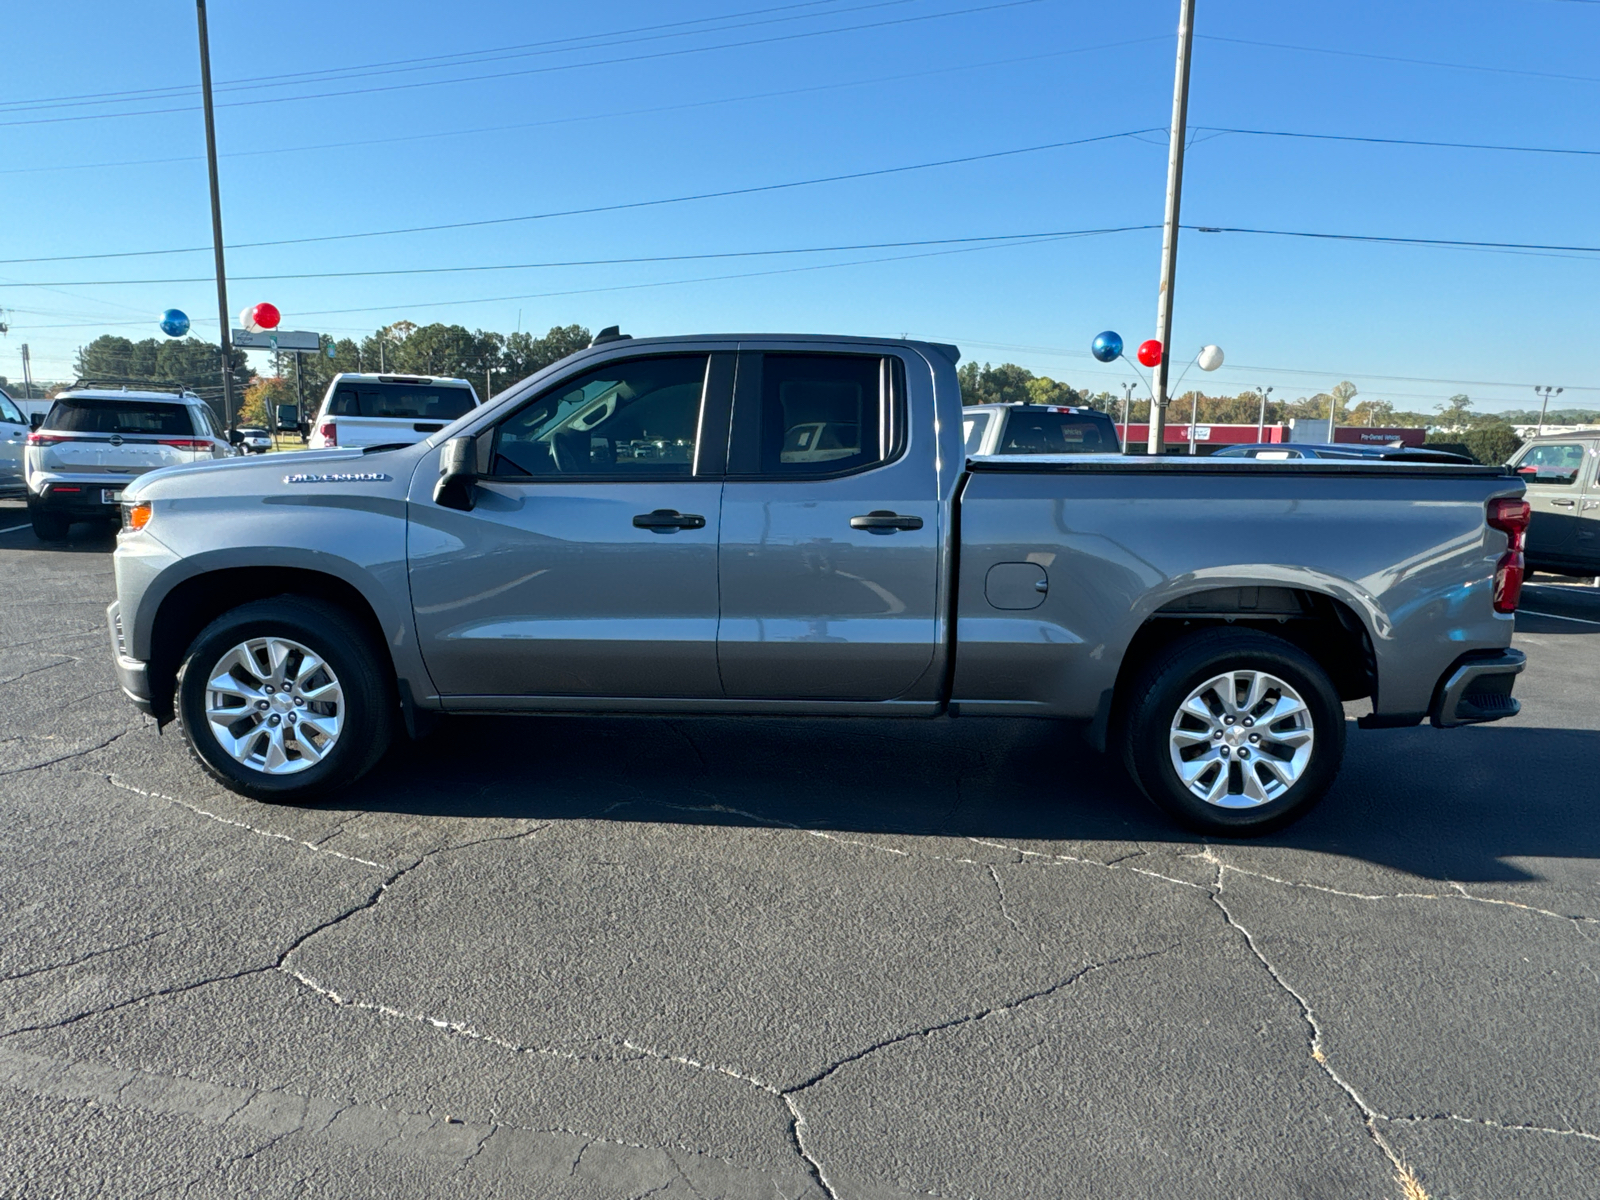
column 388, row 410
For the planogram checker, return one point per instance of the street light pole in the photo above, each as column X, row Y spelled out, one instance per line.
column 216, row 216
column 1169, row 234
column 1127, row 404
column 1545, row 404
column 1261, row 422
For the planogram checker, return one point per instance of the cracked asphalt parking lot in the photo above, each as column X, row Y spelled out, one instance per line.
column 619, row 957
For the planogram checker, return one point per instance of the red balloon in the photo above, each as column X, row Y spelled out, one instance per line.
column 266, row 316
column 1150, row 353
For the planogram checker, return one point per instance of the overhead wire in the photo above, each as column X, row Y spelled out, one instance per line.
column 593, row 209
column 788, row 37
column 436, row 62
column 606, row 262
column 875, row 80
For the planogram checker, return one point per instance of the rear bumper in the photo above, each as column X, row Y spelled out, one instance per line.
column 83, row 503
column 132, row 675
column 1477, row 688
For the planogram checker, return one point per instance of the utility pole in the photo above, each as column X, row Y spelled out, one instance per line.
column 1169, row 232
column 1537, row 390
column 1333, row 409
column 216, row 216
column 27, row 376
column 1261, row 422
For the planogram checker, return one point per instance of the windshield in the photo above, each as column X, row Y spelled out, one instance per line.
column 82, row 414
column 414, row 401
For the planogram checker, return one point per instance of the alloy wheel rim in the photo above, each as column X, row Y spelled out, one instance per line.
column 274, row 705
column 1241, row 739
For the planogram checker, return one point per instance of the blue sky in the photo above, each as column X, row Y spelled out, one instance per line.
column 655, row 114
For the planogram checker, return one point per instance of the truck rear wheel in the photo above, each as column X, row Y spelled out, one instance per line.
column 1234, row 732
column 285, row 699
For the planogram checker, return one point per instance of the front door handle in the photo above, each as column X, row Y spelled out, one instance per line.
column 666, row 520
column 1563, row 503
column 881, row 520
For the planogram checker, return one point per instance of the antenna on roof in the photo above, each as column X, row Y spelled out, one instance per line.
column 611, row 333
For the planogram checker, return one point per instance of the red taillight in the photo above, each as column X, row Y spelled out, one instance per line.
column 329, row 434
column 1508, row 575
column 61, row 487
column 195, row 445
column 1511, row 518
column 44, row 439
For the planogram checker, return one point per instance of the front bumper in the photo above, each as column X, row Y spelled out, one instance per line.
column 133, row 675
column 1477, row 688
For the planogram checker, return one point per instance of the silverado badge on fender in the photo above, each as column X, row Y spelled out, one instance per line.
column 340, row 477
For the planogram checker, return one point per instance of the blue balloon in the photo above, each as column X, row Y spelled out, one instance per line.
column 174, row 322
column 1107, row 347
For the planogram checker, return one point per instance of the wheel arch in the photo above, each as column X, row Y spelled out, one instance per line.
column 1325, row 626
column 195, row 601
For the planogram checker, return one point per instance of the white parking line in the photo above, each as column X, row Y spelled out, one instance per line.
column 1558, row 617
column 14, row 528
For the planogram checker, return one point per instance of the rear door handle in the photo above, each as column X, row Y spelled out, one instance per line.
column 881, row 520
column 1563, row 503
column 666, row 520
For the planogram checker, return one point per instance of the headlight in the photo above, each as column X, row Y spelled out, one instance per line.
column 136, row 516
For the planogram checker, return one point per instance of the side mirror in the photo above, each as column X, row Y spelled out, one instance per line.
column 458, row 472
column 235, row 438
column 35, row 420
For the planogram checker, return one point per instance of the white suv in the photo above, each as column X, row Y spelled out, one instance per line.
column 95, row 441
column 388, row 410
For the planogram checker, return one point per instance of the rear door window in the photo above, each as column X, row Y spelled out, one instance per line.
column 9, row 411
column 1044, row 432
column 808, row 416
column 84, row 414
column 403, row 401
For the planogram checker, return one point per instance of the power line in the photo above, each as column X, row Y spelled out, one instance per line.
column 1390, row 141
column 1445, row 243
column 875, row 80
column 396, row 87
column 435, row 62
column 606, row 262
column 601, row 208
column 1454, row 243
column 1415, row 62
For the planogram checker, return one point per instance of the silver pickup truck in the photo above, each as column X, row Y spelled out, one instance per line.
column 787, row 524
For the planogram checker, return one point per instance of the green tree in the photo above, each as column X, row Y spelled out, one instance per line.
column 1011, row 384
column 1492, row 444
column 1456, row 413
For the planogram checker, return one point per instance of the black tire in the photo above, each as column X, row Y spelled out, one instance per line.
column 48, row 526
column 368, row 711
column 1168, row 681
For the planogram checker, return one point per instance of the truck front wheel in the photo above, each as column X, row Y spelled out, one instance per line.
column 285, row 699
column 1233, row 732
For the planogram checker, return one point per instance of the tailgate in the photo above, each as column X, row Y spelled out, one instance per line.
column 383, row 431
column 95, row 454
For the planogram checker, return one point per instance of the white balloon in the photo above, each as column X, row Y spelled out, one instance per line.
column 1210, row 358
column 247, row 322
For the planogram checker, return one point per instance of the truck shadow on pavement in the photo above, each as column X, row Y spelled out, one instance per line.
column 1447, row 805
